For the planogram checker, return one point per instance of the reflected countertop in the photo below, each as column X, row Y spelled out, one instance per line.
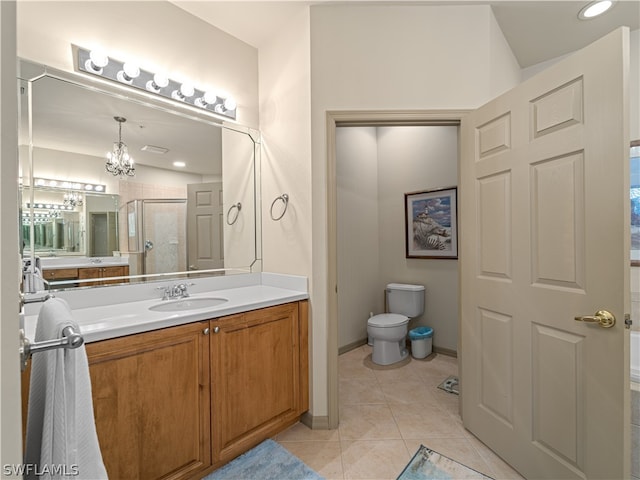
column 126, row 308
column 72, row 261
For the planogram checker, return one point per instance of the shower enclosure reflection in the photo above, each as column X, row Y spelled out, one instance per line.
column 157, row 234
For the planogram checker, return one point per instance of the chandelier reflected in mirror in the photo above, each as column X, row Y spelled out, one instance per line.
column 72, row 199
column 119, row 162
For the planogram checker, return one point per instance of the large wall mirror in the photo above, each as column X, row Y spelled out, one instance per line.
column 192, row 205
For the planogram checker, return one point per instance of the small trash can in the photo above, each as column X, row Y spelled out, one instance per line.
column 421, row 341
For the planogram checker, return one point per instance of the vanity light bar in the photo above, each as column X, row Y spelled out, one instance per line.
column 49, row 206
column 69, row 185
column 125, row 73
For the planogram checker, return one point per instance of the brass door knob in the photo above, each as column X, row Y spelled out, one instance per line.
column 603, row 318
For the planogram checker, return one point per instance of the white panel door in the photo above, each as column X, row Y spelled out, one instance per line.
column 544, row 237
column 204, row 226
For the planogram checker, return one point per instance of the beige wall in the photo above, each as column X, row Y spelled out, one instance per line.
column 285, row 126
column 414, row 159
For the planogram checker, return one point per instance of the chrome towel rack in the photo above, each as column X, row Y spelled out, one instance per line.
column 285, row 200
column 237, row 206
column 70, row 340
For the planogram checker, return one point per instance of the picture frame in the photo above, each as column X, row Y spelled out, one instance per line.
column 431, row 223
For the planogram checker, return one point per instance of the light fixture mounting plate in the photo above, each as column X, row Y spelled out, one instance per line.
column 112, row 71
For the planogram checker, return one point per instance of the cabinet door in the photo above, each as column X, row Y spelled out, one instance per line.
column 255, row 378
column 86, row 273
column 113, row 272
column 60, row 274
column 151, row 397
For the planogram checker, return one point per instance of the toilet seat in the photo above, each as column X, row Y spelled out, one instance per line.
column 383, row 320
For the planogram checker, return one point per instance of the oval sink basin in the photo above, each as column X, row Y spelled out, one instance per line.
column 187, row 304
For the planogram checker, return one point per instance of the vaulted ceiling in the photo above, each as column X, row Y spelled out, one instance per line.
column 536, row 30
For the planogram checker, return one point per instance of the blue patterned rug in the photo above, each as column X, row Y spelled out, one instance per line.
column 267, row 461
column 427, row 464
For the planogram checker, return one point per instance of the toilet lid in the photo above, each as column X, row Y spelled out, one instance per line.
column 388, row 320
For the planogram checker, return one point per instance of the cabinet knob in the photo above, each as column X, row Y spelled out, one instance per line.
column 216, row 329
column 206, row 331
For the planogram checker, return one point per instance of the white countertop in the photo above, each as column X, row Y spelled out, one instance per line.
column 100, row 318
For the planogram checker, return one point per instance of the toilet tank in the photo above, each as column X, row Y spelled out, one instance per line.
column 405, row 299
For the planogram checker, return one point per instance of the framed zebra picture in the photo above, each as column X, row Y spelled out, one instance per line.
column 431, row 223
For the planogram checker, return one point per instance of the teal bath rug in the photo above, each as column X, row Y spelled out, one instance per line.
column 267, row 461
column 427, row 464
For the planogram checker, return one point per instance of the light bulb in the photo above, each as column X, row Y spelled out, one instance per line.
column 186, row 90
column 209, row 98
column 594, row 9
column 160, row 80
column 129, row 72
column 97, row 61
column 230, row 104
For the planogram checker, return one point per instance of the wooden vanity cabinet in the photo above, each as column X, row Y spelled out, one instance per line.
column 60, row 274
column 103, row 272
column 151, row 398
column 179, row 402
column 258, row 359
column 84, row 273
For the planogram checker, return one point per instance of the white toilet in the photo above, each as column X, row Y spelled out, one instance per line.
column 389, row 330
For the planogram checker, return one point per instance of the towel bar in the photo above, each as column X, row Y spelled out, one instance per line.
column 70, row 339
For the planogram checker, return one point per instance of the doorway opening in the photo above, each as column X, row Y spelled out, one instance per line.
column 335, row 120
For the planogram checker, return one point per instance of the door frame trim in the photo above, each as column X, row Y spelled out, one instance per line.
column 347, row 118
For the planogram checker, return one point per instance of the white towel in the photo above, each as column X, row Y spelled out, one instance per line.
column 61, row 432
column 33, row 281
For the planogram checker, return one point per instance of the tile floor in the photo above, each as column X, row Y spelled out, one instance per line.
column 384, row 417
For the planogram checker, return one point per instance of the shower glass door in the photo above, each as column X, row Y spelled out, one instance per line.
column 164, row 230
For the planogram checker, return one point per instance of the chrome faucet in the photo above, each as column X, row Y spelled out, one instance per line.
column 178, row 290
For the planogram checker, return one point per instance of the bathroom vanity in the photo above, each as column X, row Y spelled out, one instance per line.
column 177, row 394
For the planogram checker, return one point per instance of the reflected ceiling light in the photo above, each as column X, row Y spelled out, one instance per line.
column 72, row 199
column 48, row 206
column 594, row 9
column 129, row 73
column 96, row 62
column 155, row 149
column 67, row 185
column 158, row 83
column 119, row 162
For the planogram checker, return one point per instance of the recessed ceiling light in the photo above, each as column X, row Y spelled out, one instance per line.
column 179, row 164
column 594, row 9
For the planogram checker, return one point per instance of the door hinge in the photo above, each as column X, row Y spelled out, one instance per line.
column 627, row 321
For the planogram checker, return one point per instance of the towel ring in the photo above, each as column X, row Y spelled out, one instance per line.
column 285, row 199
column 238, row 206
